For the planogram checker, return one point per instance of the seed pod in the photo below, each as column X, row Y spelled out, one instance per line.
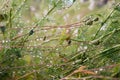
column 3, row 17
column 89, row 22
column 31, row 32
column 44, row 38
column 95, row 42
column 69, row 42
column 96, row 19
column 2, row 29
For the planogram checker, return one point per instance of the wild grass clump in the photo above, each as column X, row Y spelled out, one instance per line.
column 49, row 39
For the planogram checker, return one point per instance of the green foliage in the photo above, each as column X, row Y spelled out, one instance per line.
column 58, row 39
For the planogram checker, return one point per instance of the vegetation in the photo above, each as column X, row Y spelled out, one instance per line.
column 59, row 40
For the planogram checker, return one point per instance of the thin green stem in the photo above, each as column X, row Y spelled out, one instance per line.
column 32, row 30
column 40, row 21
column 19, row 8
column 103, row 23
column 46, row 14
